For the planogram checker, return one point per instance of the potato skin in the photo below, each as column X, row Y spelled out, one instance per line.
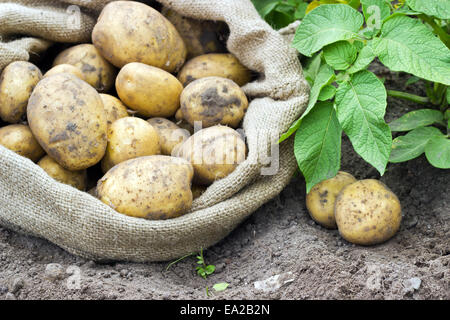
column 17, row 81
column 129, row 31
column 321, row 198
column 20, row 139
column 170, row 135
column 76, row 179
column 114, row 108
column 153, row 187
column 223, row 65
column 67, row 117
column 96, row 70
column 214, row 153
column 150, row 91
column 130, row 138
column 213, row 101
column 64, row 68
column 367, row 212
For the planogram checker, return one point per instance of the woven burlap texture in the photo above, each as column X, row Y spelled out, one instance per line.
column 33, row 203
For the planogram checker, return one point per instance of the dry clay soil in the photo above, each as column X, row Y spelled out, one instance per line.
column 278, row 239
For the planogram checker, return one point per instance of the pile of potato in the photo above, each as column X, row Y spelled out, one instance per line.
column 126, row 105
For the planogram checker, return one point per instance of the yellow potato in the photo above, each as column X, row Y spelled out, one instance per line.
column 114, row 108
column 130, row 138
column 17, row 81
column 214, row 153
column 213, row 101
column 150, row 91
column 367, row 212
column 223, row 65
column 129, row 31
column 20, row 139
column 67, row 117
column 200, row 36
column 96, row 71
column 76, row 179
column 64, row 68
column 169, row 133
column 321, row 198
column 153, row 187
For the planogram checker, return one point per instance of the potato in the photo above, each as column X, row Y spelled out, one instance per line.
column 223, row 65
column 17, row 81
column 150, row 91
column 129, row 31
column 64, row 68
column 67, row 117
column 213, row 152
column 367, row 212
column 170, row 135
column 153, row 187
column 213, row 101
column 20, row 139
column 76, row 179
column 200, row 36
column 321, row 198
column 114, row 108
column 197, row 190
column 96, row 71
column 130, row 138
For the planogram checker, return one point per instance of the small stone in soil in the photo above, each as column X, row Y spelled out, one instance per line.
column 54, row 271
column 16, row 285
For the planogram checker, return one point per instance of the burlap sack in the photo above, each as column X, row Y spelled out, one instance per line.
column 33, row 203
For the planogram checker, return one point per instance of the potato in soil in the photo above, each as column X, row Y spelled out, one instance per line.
column 214, row 153
column 153, row 187
column 67, row 117
column 367, row 212
column 129, row 31
column 150, row 91
column 17, row 81
column 76, row 179
column 213, row 101
column 130, row 138
column 321, row 198
column 20, row 139
column 170, row 135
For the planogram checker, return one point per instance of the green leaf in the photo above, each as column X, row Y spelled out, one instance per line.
column 437, row 152
column 294, row 127
column 264, row 6
column 364, row 59
column 448, row 95
column 416, row 119
column 300, row 12
column 375, row 11
column 361, row 105
column 405, row 44
column 437, row 8
column 326, row 24
column 210, row 269
column 220, row 286
column 411, row 80
column 312, row 68
column 317, row 145
column 340, row 55
column 327, row 93
column 412, row 145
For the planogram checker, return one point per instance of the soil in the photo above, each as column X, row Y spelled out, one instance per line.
column 278, row 239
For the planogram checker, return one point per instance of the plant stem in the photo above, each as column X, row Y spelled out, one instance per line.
column 408, row 96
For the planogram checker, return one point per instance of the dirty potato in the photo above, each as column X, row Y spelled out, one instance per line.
column 223, row 65
column 129, row 31
column 170, row 135
column 214, row 153
column 150, row 91
column 114, row 108
column 17, row 81
column 153, row 187
column 96, row 71
column 213, row 101
column 20, row 139
column 67, row 117
column 76, row 179
column 367, row 212
column 321, row 198
column 130, row 138
column 64, row 68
